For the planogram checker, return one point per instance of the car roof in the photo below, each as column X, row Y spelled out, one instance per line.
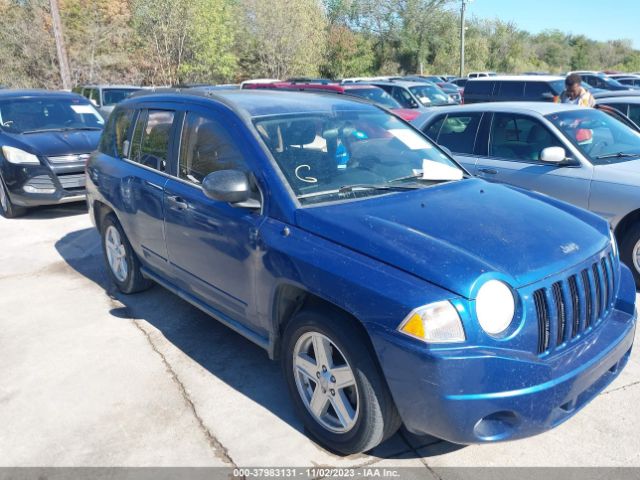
column 540, row 108
column 619, row 99
column 400, row 83
column 521, row 78
column 261, row 102
column 616, row 93
column 10, row 93
column 108, row 86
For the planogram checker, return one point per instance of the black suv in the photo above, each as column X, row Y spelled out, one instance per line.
column 45, row 140
column 530, row 88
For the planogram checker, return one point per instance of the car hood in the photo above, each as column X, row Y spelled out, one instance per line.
column 455, row 234
column 622, row 172
column 51, row 144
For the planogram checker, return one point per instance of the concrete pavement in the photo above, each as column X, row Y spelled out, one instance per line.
column 89, row 377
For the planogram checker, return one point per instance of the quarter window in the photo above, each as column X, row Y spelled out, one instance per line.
column 519, row 138
column 150, row 145
column 206, row 147
column 112, row 141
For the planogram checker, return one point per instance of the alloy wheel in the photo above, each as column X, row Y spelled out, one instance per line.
column 116, row 253
column 636, row 256
column 326, row 382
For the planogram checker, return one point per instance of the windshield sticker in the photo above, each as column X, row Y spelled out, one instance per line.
column 298, row 170
column 437, row 172
column 84, row 109
column 410, row 138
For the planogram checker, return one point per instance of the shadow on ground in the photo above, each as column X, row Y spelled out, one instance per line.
column 55, row 211
column 228, row 356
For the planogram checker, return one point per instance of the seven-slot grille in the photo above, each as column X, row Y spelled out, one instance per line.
column 575, row 304
column 73, row 181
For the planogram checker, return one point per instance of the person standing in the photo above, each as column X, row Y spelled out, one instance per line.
column 575, row 94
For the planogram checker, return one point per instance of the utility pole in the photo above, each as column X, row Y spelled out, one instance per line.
column 463, row 9
column 65, row 74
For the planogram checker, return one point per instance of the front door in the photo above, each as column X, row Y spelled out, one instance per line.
column 212, row 245
column 514, row 147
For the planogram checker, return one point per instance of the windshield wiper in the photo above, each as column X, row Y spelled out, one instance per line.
column 65, row 129
column 364, row 186
column 618, row 155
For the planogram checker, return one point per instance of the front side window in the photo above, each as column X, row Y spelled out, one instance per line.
column 458, row 132
column 36, row 114
column 150, row 143
column 634, row 113
column 206, row 147
column 403, row 97
column 519, row 138
column 94, row 96
column 600, row 137
column 351, row 154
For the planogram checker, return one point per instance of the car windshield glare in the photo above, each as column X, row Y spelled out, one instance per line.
column 112, row 96
column 26, row 115
column 600, row 137
column 376, row 95
column 430, row 95
column 321, row 154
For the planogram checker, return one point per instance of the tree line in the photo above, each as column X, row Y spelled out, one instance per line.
column 168, row 42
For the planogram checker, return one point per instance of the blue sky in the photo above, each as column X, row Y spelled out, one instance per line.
column 597, row 19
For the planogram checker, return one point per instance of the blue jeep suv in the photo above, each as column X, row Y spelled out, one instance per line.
column 393, row 287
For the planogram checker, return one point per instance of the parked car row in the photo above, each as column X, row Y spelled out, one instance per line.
column 369, row 255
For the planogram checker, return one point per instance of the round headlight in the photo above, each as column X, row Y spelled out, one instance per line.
column 495, row 307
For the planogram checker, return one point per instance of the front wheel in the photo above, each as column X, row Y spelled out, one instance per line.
column 335, row 383
column 122, row 263
column 630, row 251
column 8, row 209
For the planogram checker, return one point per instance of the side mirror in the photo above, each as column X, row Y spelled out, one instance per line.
column 229, row 186
column 555, row 155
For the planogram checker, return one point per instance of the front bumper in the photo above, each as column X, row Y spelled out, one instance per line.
column 35, row 185
column 475, row 394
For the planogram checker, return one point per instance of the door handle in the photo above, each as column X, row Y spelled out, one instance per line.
column 489, row 171
column 177, row 202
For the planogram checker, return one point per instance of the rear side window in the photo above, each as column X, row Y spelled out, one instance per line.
column 151, row 137
column 621, row 107
column 458, row 132
column 479, row 87
column 512, row 89
column 206, row 147
column 538, row 91
column 114, row 137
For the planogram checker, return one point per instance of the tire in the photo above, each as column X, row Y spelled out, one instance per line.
column 117, row 250
column 374, row 415
column 630, row 251
column 7, row 208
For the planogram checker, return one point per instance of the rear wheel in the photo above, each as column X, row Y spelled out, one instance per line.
column 335, row 383
column 122, row 263
column 630, row 251
column 8, row 209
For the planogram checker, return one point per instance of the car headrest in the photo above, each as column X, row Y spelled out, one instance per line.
column 299, row 132
column 538, row 134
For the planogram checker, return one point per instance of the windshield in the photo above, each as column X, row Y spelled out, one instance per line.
column 30, row 115
column 600, row 137
column 352, row 154
column 430, row 95
column 376, row 95
column 112, row 96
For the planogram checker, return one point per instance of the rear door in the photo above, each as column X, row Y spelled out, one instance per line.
column 151, row 150
column 212, row 245
column 458, row 133
column 515, row 142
